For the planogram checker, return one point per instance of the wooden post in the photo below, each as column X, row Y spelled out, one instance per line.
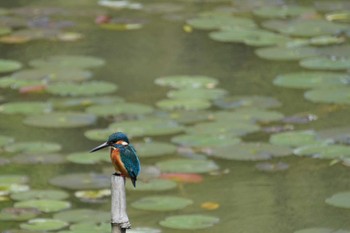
column 119, row 221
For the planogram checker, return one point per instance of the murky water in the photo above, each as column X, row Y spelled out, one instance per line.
column 249, row 200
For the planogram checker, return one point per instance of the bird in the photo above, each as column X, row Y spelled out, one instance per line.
column 123, row 156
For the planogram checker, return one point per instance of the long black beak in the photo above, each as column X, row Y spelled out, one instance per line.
column 103, row 145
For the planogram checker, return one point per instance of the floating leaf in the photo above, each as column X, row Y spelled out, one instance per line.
column 153, row 185
column 13, row 179
column 40, row 194
column 85, row 101
column 98, row 134
column 283, row 11
column 9, row 66
column 294, row 138
column 78, row 181
column 248, row 115
column 68, row 61
column 199, row 93
column 89, row 227
column 326, row 63
column 305, row 28
column 188, row 117
column 10, row 82
column 324, row 151
column 43, row 224
column 321, row 230
column 33, row 147
column 341, row 200
column 326, row 40
column 338, row 95
column 182, row 177
column 82, row 215
column 315, row 79
column 44, row 205
column 25, row 107
column 60, row 120
column 18, row 214
column 233, row 102
column 223, row 128
column 4, row 140
column 185, row 104
column 88, row 158
column 82, row 89
column 199, row 140
column 147, row 127
column 272, row 167
column 251, row 37
column 187, row 166
column 92, row 196
column 154, row 149
column 38, row 159
column 187, row 81
column 250, row 151
column 211, row 22
column 53, row 74
column 189, row 222
column 120, row 108
column 286, row 53
column 161, row 203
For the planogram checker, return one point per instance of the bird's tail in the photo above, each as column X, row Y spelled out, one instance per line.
column 133, row 180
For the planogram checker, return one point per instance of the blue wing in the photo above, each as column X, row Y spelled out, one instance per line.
column 131, row 161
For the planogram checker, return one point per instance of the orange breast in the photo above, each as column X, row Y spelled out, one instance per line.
column 117, row 162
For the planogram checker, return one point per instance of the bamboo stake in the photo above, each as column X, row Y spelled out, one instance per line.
column 119, row 221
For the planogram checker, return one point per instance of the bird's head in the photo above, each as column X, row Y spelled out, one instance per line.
column 115, row 138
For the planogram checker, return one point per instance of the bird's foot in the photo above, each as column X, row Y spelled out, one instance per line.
column 117, row 174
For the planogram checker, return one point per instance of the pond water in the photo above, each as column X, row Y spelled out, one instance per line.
column 256, row 139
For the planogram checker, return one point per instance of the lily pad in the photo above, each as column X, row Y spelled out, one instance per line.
column 189, row 222
column 83, row 215
column 326, row 63
column 321, row 230
column 282, row 53
column 5, row 140
column 188, row 117
column 25, row 107
column 147, row 127
column 9, row 66
column 233, row 102
column 10, row 82
column 211, row 22
column 85, row 101
column 162, row 203
column 282, row 11
column 68, row 61
column 152, row 185
column 60, row 120
column 82, row 89
column 53, row 75
column 315, row 79
column 250, row 151
column 338, row 95
column 88, row 158
column 18, row 214
column 120, row 108
column 194, row 140
column 92, row 196
column 154, row 149
column 13, row 179
column 43, row 224
column 198, row 93
column 326, row 40
column 38, row 159
column 184, row 104
column 272, row 167
column 44, row 205
column 341, row 200
column 294, row 138
column 78, row 181
column 33, row 147
column 187, row 166
column 89, row 227
column 98, row 134
column 40, row 194
column 324, row 151
column 187, row 81
column 304, row 28
column 249, row 115
column 251, row 37
column 231, row 129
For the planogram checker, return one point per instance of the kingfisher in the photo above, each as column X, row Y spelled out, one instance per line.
column 123, row 156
